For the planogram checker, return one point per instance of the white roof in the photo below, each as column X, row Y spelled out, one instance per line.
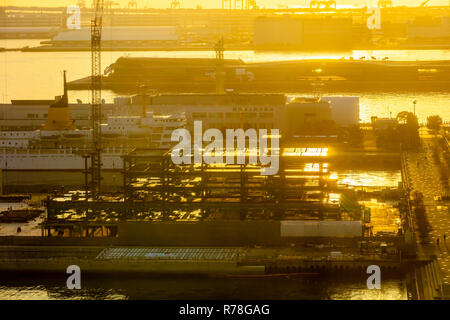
column 27, row 29
column 163, row 33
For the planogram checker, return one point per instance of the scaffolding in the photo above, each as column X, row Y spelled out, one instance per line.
column 156, row 189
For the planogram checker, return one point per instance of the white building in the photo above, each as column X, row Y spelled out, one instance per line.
column 138, row 36
column 344, row 110
column 429, row 28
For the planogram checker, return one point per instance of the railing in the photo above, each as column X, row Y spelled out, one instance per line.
column 55, row 241
column 407, row 189
column 446, row 142
column 61, row 151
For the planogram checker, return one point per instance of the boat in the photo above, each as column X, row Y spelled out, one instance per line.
column 275, row 275
column 14, row 198
column 20, row 215
column 59, row 145
column 198, row 75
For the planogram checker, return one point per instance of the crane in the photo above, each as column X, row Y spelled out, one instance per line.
column 385, row 4
column 323, row 4
column 220, row 72
column 423, row 4
column 96, row 87
column 251, row 4
column 242, row 4
column 81, row 3
column 109, row 4
column 175, row 4
column 132, row 4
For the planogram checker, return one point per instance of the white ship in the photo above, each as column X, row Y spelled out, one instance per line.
column 60, row 146
column 17, row 151
column 48, row 160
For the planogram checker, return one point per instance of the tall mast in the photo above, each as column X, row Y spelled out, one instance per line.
column 96, row 38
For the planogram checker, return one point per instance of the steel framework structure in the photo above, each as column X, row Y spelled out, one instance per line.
column 155, row 189
column 96, row 39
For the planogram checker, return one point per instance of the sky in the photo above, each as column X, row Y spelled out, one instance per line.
column 214, row 3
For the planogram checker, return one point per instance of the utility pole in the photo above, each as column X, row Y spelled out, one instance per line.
column 220, row 68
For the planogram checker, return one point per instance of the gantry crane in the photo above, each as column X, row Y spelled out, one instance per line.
column 385, row 4
column 81, row 3
column 175, row 4
column 132, row 4
column 239, row 4
column 251, row 4
column 220, row 68
column 96, row 78
column 323, row 4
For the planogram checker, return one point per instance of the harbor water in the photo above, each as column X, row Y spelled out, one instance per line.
column 30, row 75
column 147, row 287
column 21, row 71
column 194, row 288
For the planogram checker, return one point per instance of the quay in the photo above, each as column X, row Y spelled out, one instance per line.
column 208, row 261
column 430, row 214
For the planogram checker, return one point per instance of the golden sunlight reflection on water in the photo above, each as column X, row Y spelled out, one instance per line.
column 201, row 288
column 30, row 75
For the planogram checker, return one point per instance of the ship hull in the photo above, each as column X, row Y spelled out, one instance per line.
column 60, row 161
column 197, row 75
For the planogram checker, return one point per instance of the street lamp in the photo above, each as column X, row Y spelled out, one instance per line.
column 415, row 102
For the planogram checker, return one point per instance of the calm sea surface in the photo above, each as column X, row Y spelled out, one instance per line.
column 195, row 288
column 39, row 76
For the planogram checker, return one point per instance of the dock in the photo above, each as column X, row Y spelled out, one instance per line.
column 206, row 261
column 431, row 215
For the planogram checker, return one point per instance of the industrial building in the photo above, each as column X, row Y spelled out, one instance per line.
column 216, row 111
column 291, row 32
column 200, row 28
column 344, row 110
column 168, row 204
column 27, row 32
column 429, row 28
column 144, row 36
column 32, row 114
column 308, row 114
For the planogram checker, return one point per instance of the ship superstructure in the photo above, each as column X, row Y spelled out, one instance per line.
column 59, row 145
column 64, row 149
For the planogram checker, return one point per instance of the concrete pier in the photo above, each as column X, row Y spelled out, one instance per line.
column 424, row 178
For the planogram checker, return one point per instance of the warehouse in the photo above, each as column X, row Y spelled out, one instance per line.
column 288, row 32
column 120, row 36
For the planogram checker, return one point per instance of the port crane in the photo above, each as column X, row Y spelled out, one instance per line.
column 220, row 70
column 109, row 4
column 96, row 87
column 385, row 4
column 323, row 4
column 132, row 4
column 239, row 4
column 81, row 3
column 175, row 4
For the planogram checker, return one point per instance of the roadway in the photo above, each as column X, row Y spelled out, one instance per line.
column 424, row 177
